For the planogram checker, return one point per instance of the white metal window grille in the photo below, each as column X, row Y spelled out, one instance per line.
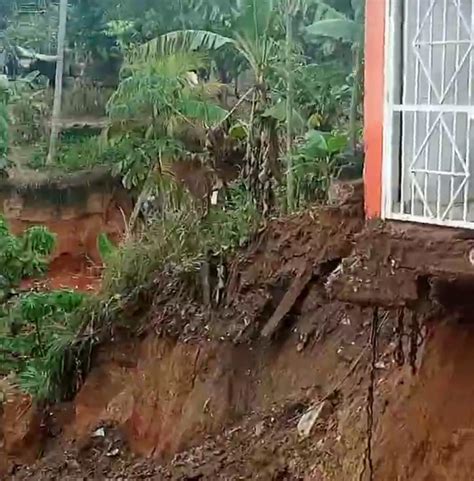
column 429, row 134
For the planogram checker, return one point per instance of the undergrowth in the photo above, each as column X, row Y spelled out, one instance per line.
column 38, row 337
column 23, row 256
column 73, row 155
column 181, row 242
column 39, row 348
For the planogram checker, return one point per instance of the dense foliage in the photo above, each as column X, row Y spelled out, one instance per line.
column 4, row 122
column 36, row 329
column 292, row 66
column 23, row 256
column 38, row 332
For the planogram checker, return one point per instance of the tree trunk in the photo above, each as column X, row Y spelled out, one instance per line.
column 290, row 180
column 355, row 99
column 58, row 88
column 145, row 192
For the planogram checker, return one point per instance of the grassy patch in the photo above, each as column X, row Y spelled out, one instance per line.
column 180, row 242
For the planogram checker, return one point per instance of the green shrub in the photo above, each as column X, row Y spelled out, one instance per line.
column 38, row 332
column 181, row 242
column 315, row 162
column 24, row 256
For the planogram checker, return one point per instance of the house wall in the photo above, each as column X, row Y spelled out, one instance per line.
column 374, row 105
column 430, row 152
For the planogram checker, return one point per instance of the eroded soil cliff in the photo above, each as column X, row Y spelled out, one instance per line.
column 219, row 394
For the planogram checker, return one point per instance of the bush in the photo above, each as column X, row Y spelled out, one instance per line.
column 23, row 256
column 315, row 162
column 181, row 242
column 38, row 332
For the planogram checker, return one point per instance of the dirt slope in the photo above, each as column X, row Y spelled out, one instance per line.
column 230, row 411
column 427, row 432
column 202, row 395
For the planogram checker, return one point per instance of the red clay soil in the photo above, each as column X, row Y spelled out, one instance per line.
column 203, row 396
column 212, row 410
column 69, row 272
column 424, row 423
column 427, row 432
column 259, row 278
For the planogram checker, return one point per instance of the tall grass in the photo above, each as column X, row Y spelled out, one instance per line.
column 181, row 242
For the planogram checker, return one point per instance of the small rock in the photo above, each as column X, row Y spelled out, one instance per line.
column 113, row 453
column 303, row 341
column 300, row 347
column 311, row 417
column 346, row 321
column 99, row 433
column 259, row 428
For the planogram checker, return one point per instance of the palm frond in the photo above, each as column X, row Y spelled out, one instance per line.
column 252, row 32
column 343, row 29
column 324, row 11
column 255, row 19
column 182, row 41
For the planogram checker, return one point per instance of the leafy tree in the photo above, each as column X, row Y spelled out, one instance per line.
column 253, row 28
column 163, row 94
column 88, row 30
column 340, row 26
column 162, row 100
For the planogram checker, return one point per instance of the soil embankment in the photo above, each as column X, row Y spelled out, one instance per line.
column 219, row 394
column 77, row 208
column 427, row 431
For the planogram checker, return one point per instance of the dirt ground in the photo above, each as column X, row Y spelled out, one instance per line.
column 220, row 395
column 69, row 272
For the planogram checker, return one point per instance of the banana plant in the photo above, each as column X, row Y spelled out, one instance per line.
column 251, row 36
column 332, row 23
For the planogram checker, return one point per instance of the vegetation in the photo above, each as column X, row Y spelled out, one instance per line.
column 36, row 329
column 4, row 123
column 294, row 65
column 267, row 89
column 23, row 256
column 38, row 332
column 180, row 243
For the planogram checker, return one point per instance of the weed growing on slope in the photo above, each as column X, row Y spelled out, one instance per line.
column 181, row 242
column 23, row 256
column 38, row 332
